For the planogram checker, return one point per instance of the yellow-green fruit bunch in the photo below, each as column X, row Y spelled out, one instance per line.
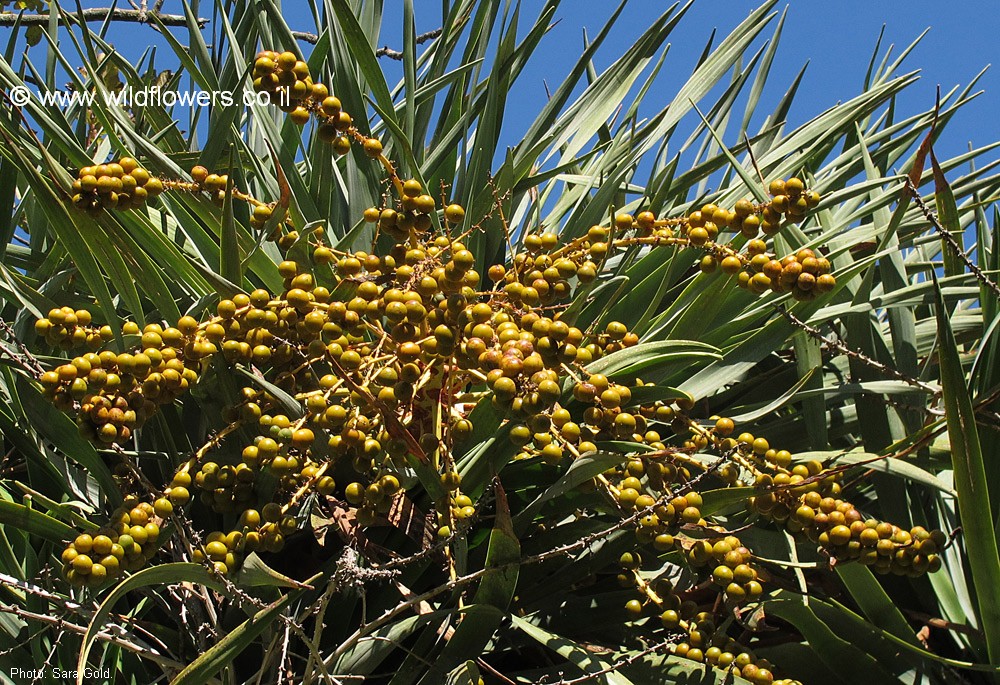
column 607, row 416
column 117, row 185
column 844, row 533
column 112, row 394
column 526, row 387
column 699, row 228
column 179, row 490
column 644, row 480
column 804, row 498
column 790, row 201
column 376, row 497
column 761, row 458
column 213, row 184
column 803, row 274
column 704, row 644
column 339, row 426
column 230, row 489
column 540, row 275
column 286, row 452
column 225, row 488
column 126, row 544
column 665, row 518
column 260, row 216
column 729, row 562
column 524, row 371
column 336, row 128
column 700, row 640
column 728, row 658
column 632, row 494
column 257, row 531
column 339, row 423
column 460, row 510
column 286, row 77
column 413, row 212
column 725, row 558
column 67, row 329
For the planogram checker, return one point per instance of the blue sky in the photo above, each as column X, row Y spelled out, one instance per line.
column 837, row 38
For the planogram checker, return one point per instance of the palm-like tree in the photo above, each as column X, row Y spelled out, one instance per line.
column 504, row 540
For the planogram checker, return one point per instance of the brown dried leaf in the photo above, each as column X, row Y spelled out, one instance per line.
column 925, row 146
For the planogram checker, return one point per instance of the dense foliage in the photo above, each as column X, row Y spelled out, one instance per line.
column 347, row 394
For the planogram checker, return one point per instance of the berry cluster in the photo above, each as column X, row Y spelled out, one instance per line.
column 117, row 185
column 68, row 329
column 730, row 564
column 790, row 201
column 413, row 212
column 380, row 358
column 125, row 544
column 263, row 531
column 386, row 354
column 802, row 274
column 112, row 394
column 806, row 509
column 287, row 77
column 213, row 184
column 671, row 525
column 408, row 331
column 699, row 637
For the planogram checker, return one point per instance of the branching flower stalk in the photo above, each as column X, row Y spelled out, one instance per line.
column 362, row 375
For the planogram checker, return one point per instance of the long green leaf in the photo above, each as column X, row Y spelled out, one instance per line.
column 25, row 518
column 970, row 482
column 162, row 574
column 575, row 653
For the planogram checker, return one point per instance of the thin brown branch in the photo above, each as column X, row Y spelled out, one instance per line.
column 69, row 606
column 461, row 581
column 99, row 14
column 950, row 240
column 145, row 651
column 21, row 644
column 482, row 663
column 854, row 354
column 386, row 51
column 305, row 36
column 753, row 160
column 16, row 360
column 23, row 356
column 144, row 16
column 942, row 624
